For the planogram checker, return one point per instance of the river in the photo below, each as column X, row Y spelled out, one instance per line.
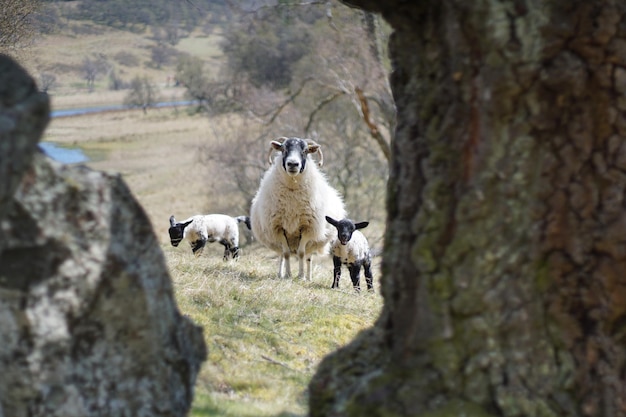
column 73, row 155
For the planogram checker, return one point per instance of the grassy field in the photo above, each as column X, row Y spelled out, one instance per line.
column 265, row 336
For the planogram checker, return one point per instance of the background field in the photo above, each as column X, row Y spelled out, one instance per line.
column 265, row 336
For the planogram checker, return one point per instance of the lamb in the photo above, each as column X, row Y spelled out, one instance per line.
column 200, row 229
column 351, row 248
column 287, row 213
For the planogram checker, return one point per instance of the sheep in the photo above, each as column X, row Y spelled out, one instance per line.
column 200, row 229
column 351, row 248
column 287, row 212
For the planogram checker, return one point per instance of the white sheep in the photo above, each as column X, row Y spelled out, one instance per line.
column 287, row 213
column 352, row 249
column 200, row 229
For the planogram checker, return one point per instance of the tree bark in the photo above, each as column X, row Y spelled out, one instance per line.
column 504, row 270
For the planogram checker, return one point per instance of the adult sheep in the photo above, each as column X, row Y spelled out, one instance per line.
column 200, row 229
column 287, row 213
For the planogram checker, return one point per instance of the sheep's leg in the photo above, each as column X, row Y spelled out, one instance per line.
column 235, row 252
column 301, row 255
column 309, row 269
column 336, row 271
column 369, row 278
column 198, row 246
column 355, row 269
column 284, row 268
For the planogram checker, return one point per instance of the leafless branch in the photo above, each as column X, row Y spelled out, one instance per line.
column 374, row 131
column 320, row 106
column 289, row 100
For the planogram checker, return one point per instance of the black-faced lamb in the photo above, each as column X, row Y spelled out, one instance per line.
column 287, row 213
column 200, row 229
column 351, row 248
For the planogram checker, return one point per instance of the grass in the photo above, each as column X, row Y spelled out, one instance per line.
column 265, row 336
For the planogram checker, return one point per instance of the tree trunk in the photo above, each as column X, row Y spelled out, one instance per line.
column 504, row 270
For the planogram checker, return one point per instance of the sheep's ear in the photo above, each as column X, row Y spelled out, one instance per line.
column 186, row 224
column 361, row 225
column 275, row 145
column 314, row 147
column 172, row 221
column 331, row 221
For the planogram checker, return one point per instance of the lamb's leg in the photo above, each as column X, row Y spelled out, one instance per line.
column 226, row 249
column 235, row 252
column 369, row 278
column 197, row 246
column 336, row 271
column 355, row 269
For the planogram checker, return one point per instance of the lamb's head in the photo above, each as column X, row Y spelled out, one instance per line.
column 294, row 153
column 177, row 231
column 345, row 228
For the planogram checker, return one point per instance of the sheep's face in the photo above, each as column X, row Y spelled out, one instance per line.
column 345, row 228
column 177, row 231
column 294, row 154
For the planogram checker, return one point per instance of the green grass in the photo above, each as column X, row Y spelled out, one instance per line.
column 265, row 335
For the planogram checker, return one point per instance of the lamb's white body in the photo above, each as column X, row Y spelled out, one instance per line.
column 199, row 229
column 356, row 250
column 287, row 213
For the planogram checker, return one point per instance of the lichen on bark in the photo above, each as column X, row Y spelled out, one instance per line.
column 503, row 266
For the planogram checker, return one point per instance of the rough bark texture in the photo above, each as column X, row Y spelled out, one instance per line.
column 88, row 322
column 505, row 257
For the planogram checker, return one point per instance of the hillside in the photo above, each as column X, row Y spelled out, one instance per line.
column 265, row 336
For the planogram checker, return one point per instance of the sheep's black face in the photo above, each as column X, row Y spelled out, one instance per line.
column 345, row 228
column 176, row 234
column 177, row 231
column 294, row 155
column 344, row 231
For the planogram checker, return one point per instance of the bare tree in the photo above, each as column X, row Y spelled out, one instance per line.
column 92, row 67
column 143, row 93
column 46, row 81
column 338, row 95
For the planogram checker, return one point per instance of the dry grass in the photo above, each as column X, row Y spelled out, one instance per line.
column 265, row 336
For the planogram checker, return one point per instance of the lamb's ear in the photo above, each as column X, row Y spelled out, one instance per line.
column 172, row 221
column 331, row 221
column 361, row 225
column 185, row 224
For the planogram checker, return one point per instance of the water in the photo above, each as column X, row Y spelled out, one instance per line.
column 99, row 109
column 75, row 155
column 63, row 155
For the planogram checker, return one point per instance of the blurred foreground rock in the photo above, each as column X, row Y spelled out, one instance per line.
column 88, row 321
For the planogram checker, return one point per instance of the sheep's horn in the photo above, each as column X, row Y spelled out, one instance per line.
column 321, row 161
column 319, row 151
column 274, row 146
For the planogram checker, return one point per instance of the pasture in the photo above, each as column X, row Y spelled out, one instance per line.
column 265, row 335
